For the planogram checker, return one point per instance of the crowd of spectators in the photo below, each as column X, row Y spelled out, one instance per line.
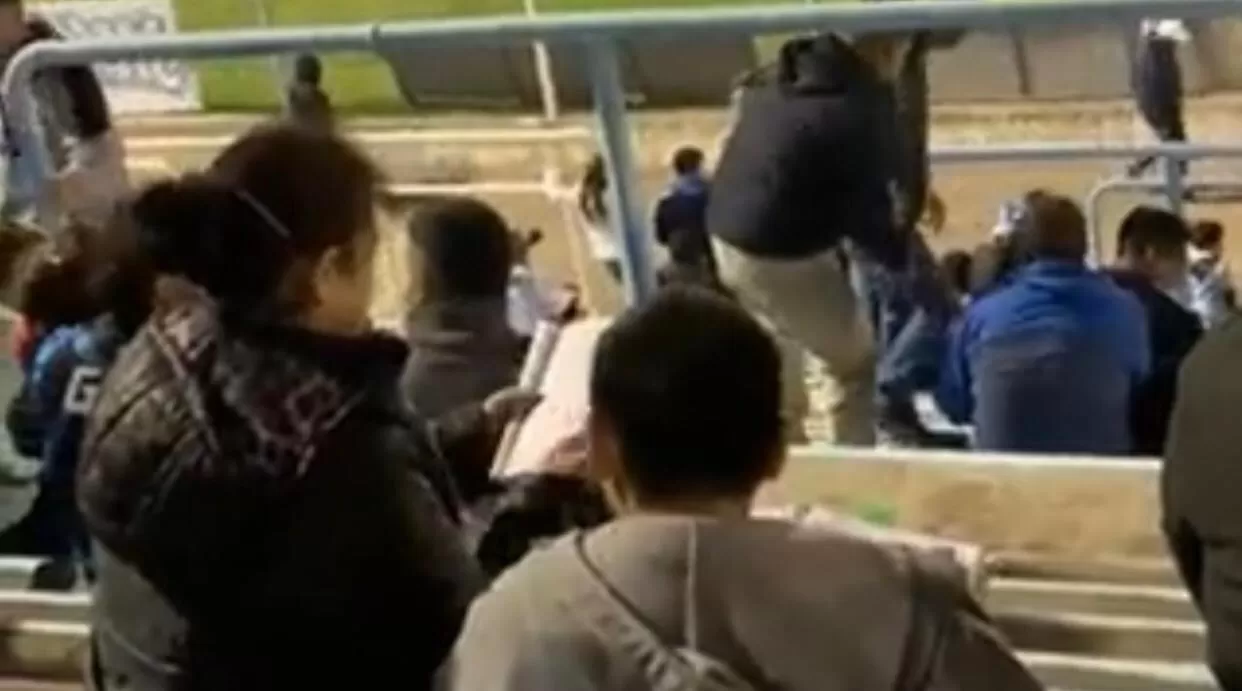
column 265, row 491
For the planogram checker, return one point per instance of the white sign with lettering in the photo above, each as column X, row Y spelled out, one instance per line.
column 155, row 86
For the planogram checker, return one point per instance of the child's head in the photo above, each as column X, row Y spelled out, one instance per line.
column 58, row 292
column 1208, row 237
column 688, row 160
column 685, row 399
column 465, row 248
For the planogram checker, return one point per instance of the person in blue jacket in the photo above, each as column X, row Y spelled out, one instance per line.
column 1049, row 362
column 66, row 370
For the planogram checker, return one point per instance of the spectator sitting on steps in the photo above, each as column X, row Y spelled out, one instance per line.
column 1151, row 264
column 1049, row 362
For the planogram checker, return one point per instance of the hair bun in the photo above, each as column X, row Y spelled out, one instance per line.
column 176, row 226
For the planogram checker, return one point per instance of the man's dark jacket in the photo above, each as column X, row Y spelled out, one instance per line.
column 1157, row 81
column 813, row 158
column 1173, row 331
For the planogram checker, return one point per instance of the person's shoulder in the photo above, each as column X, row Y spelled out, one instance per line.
column 996, row 303
column 520, row 601
column 1215, row 356
column 525, row 633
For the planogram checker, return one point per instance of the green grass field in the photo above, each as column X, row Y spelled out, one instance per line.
column 359, row 83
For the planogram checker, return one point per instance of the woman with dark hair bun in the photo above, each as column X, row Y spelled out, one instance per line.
column 265, row 511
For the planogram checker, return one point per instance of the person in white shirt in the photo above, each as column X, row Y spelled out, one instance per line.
column 1212, row 295
column 531, row 299
column 601, row 239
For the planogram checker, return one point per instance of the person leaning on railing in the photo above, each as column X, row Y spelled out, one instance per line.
column 87, row 153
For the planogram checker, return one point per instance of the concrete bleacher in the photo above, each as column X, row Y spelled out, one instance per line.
column 1100, row 612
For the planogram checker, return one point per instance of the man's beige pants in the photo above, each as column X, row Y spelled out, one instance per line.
column 811, row 307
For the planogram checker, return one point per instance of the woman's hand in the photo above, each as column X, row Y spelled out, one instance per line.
column 509, row 405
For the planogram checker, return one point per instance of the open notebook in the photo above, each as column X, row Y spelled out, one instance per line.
column 558, row 365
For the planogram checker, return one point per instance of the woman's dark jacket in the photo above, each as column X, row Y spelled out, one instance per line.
column 267, row 514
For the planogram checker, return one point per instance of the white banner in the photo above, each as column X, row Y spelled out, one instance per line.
column 133, row 87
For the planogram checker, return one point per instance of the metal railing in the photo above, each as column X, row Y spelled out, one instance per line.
column 1173, row 183
column 597, row 33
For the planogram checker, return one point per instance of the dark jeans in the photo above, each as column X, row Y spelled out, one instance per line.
column 910, row 314
column 53, row 529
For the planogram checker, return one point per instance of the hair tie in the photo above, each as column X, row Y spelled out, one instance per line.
column 268, row 217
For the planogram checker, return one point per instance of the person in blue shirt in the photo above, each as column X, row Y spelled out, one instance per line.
column 680, row 219
column 66, row 369
column 1049, row 362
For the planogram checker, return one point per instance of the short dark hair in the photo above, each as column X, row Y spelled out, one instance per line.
column 467, row 248
column 58, row 292
column 277, row 195
column 1150, row 229
column 1206, row 234
column 1055, row 228
column 687, row 160
column 690, row 383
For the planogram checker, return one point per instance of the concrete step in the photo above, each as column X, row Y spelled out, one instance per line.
column 1158, row 572
column 1136, row 638
column 43, row 650
column 16, row 572
column 1086, row 673
column 1150, row 601
column 20, row 605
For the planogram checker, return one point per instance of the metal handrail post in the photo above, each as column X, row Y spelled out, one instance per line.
column 625, row 215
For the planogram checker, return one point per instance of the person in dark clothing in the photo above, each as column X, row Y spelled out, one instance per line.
column 1157, row 84
column 462, row 348
column 957, row 267
column 305, row 101
column 1151, row 262
column 67, row 368
column 265, row 510
column 1201, row 518
column 1049, row 361
column 813, row 160
column 76, row 119
column 681, row 215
